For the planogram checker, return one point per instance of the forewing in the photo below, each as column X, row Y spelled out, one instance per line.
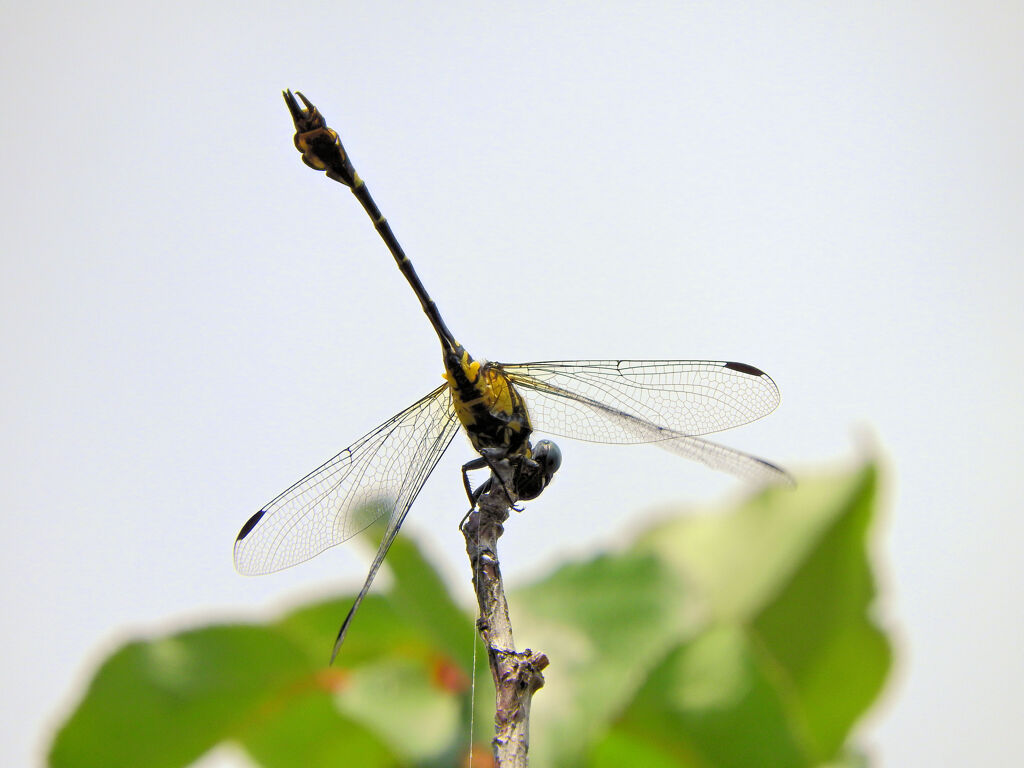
column 380, row 474
column 665, row 402
column 582, row 399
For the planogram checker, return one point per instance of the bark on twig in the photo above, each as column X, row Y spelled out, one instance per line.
column 517, row 675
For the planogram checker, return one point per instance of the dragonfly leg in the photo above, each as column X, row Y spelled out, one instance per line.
column 490, row 458
column 469, row 466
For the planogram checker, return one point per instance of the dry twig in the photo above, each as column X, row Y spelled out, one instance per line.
column 517, row 675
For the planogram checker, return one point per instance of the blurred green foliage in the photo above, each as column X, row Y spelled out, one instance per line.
column 737, row 637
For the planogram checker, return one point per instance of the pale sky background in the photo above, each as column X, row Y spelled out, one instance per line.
column 192, row 320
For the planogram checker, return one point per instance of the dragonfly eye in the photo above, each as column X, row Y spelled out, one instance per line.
column 548, row 454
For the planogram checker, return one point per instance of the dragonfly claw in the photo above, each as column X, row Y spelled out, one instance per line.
column 305, row 119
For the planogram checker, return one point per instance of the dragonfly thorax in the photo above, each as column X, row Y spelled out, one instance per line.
column 488, row 405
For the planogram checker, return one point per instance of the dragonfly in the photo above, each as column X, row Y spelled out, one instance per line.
column 669, row 403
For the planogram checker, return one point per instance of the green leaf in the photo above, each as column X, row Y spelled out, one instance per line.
column 311, row 732
column 819, row 628
column 167, row 701
column 421, row 596
column 791, row 656
column 394, row 697
column 739, row 637
column 621, row 748
column 400, row 700
column 714, row 701
column 604, row 624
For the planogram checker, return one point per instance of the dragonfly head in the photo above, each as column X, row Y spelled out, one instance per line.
column 549, row 456
column 534, row 475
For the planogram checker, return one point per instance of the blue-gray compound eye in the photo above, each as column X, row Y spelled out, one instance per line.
column 549, row 454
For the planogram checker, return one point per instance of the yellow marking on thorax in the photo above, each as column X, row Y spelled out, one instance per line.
column 492, row 390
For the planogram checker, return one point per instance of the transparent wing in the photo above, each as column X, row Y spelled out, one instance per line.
column 380, row 474
column 743, row 465
column 689, row 397
column 666, row 402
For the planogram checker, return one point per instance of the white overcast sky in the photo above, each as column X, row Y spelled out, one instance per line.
column 191, row 320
